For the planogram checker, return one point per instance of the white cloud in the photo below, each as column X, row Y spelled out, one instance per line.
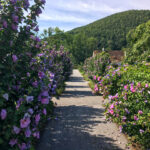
column 63, row 18
column 81, row 12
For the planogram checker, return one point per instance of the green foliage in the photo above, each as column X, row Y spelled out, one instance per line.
column 138, row 44
column 128, row 90
column 96, row 65
column 111, row 31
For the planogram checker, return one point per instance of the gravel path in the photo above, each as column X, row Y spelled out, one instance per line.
column 81, row 124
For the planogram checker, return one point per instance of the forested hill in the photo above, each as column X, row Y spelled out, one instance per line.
column 111, row 31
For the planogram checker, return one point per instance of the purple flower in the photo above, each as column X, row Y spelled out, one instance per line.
column 36, row 29
column 22, row 146
column 44, row 111
column 27, row 132
column 38, row 11
column 14, row 27
column 37, row 118
column 37, row 39
column 45, row 100
column 45, row 93
column 41, row 54
column 6, row 96
column 16, row 130
column 13, row 142
column 24, row 122
column 4, row 24
column 43, row 1
column 36, row 134
column 15, row 58
column 29, row 99
column 15, row 18
column 145, row 101
column 124, row 118
column 110, row 97
column 3, row 114
column 41, row 74
column 13, row 1
column 26, row 4
column 30, row 110
column 126, row 110
column 35, row 83
column 141, row 131
column 28, row 74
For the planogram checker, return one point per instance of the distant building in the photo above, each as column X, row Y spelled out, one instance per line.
column 116, row 55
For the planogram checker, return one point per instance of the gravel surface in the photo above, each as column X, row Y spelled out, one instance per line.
column 80, row 123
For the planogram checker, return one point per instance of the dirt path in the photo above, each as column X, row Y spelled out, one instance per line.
column 81, row 124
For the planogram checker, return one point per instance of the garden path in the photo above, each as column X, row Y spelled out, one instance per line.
column 80, row 123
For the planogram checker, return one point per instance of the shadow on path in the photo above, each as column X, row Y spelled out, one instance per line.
column 76, row 79
column 76, row 93
column 72, row 130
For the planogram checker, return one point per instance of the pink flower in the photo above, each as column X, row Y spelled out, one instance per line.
column 120, row 127
column 45, row 100
column 3, row 114
column 15, row 58
column 24, row 122
column 126, row 87
column 99, row 78
column 141, row 131
column 139, row 85
column 140, row 112
column 146, row 85
column 13, row 142
column 135, row 118
column 96, row 88
column 132, row 89
column 16, row 130
column 112, row 106
column 94, row 77
column 111, row 111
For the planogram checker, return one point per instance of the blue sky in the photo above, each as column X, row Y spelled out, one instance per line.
column 69, row 14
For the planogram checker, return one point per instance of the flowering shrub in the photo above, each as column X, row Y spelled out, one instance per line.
column 128, row 91
column 130, row 109
column 96, row 65
column 29, row 74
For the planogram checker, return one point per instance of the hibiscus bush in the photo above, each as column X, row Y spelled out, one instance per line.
column 128, row 91
column 96, row 65
column 130, row 109
column 29, row 74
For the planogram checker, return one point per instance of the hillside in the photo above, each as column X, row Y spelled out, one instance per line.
column 111, row 31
